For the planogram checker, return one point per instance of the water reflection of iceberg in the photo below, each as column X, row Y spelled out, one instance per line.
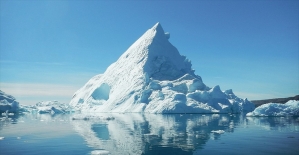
column 276, row 123
column 153, row 133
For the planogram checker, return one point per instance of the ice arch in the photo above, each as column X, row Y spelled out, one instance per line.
column 102, row 92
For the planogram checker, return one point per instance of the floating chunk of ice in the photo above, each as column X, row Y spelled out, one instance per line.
column 218, row 131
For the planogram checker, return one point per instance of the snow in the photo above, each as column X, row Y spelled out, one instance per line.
column 152, row 77
column 291, row 108
column 8, row 103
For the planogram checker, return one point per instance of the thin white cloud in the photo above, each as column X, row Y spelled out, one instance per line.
column 36, row 62
column 31, row 93
column 37, row 89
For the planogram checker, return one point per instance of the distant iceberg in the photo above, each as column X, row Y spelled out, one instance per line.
column 47, row 107
column 291, row 108
column 8, row 103
column 152, row 77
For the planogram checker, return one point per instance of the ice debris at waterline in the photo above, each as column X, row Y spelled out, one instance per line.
column 152, row 77
column 100, row 152
column 291, row 108
column 50, row 107
column 8, row 103
column 218, row 131
column 92, row 116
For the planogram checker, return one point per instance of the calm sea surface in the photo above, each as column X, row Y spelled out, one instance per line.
column 149, row 134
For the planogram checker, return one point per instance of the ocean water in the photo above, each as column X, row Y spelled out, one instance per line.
column 149, row 134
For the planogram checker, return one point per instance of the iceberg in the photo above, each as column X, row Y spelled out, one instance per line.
column 152, row 77
column 48, row 107
column 291, row 108
column 8, row 103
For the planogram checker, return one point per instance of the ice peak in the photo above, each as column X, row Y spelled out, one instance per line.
column 153, row 77
column 156, row 56
column 157, row 32
column 158, row 27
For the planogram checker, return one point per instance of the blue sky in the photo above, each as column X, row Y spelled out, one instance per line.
column 49, row 49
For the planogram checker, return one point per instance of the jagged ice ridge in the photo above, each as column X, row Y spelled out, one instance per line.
column 152, row 77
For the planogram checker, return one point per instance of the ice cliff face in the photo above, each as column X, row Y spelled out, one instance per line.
column 152, row 77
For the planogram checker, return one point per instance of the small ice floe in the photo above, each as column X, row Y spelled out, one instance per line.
column 218, row 131
column 99, row 152
column 1, row 138
column 148, row 134
column 5, row 119
column 10, row 114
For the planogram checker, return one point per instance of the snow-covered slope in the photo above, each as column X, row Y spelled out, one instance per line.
column 291, row 108
column 152, row 77
column 8, row 103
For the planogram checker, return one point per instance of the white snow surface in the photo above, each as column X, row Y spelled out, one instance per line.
column 152, row 77
column 8, row 103
column 291, row 108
